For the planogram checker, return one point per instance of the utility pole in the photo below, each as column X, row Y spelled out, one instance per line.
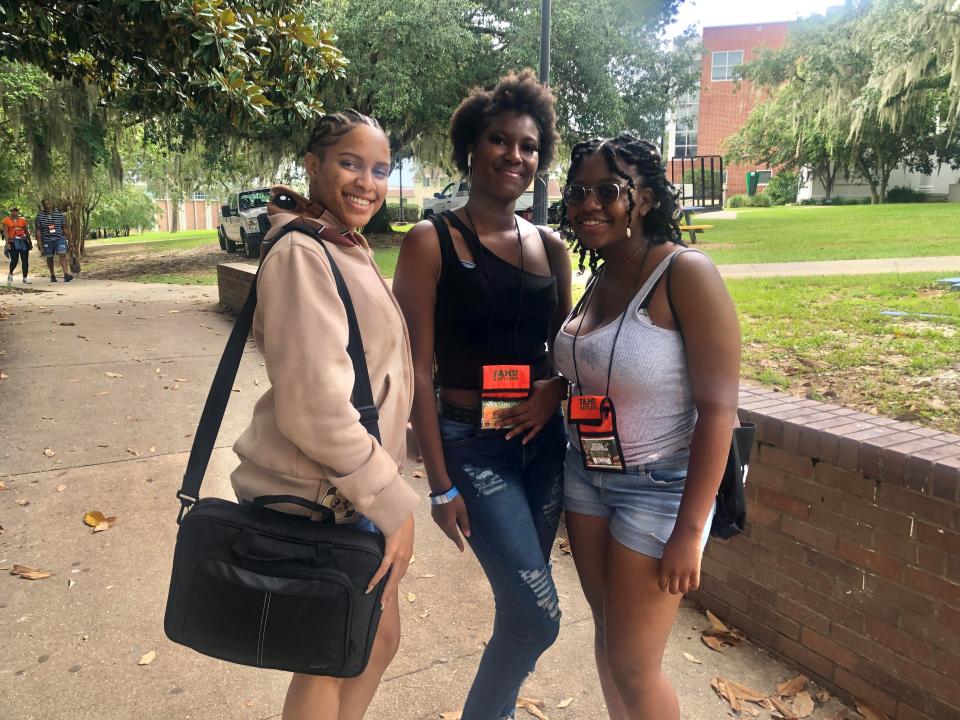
column 540, row 184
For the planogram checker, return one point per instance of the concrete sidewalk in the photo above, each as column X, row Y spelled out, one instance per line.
column 120, row 444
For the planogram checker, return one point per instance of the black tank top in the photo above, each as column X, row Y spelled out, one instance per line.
column 476, row 323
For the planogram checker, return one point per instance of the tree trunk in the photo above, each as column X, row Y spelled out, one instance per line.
column 174, row 214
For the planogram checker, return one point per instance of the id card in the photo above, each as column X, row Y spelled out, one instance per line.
column 501, row 387
column 596, row 422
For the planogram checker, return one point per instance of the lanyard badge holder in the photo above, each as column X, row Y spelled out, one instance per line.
column 501, row 387
column 594, row 416
column 596, row 421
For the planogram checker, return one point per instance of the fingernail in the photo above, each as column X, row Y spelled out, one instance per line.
column 467, row 534
column 369, row 588
column 383, row 606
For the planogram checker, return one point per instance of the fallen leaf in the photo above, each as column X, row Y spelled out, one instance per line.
column 30, row 573
column 3, row 485
column 3, row 376
column 720, row 687
column 106, row 524
column 153, row 449
column 413, row 559
column 256, row 381
column 452, row 715
column 565, row 702
column 70, row 583
column 112, row 374
column 532, row 707
column 46, row 417
column 133, row 452
column 692, row 659
column 23, row 502
column 783, row 708
column 93, row 518
column 793, row 685
column 102, row 445
column 236, row 389
column 744, row 692
column 68, row 324
column 716, row 623
column 61, row 487
column 803, row 705
column 411, row 597
column 423, row 614
column 426, row 576
column 181, row 380
column 49, row 452
column 102, row 393
column 712, row 643
column 869, row 712
column 565, row 546
column 147, row 658
column 822, row 697
column 173, row 312
column 418, row 474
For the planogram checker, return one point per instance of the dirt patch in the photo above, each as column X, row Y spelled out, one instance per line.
column 131, row 262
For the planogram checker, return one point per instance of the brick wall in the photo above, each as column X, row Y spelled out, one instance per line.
column 233, row 282
column 850, row 564
column 725, row 105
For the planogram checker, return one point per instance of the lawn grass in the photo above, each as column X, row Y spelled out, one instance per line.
column 206, row 278
column 166, row 240
column 791, row 234
column 825, row 337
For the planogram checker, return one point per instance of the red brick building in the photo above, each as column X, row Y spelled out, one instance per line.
column 724, row 106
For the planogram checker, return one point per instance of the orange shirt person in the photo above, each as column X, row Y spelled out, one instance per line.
column 17, row 244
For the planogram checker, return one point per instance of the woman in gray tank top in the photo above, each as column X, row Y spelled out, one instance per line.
column 651, row 413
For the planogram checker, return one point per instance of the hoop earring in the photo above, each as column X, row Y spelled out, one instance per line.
column 469, row 165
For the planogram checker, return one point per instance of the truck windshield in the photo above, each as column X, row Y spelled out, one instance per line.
column 254, row 199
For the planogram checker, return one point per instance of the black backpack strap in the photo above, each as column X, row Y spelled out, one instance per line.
column 219, row 395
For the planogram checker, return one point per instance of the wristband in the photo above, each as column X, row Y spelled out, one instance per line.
column 444, row 498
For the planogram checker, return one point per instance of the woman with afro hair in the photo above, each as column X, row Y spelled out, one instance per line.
column 484, row 293
column 652, row 353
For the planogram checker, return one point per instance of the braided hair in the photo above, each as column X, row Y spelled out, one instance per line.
column 330, row 128
column 626, row 153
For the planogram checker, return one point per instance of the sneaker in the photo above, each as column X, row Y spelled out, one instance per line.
column 9, row 280
column 53, row 278
column 26, row 280
column 67, row 278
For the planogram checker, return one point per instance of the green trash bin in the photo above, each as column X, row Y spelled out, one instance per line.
column 753, row 177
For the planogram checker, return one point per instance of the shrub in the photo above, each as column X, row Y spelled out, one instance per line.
column 902, row 194
column 743, row 201
column 411, row 211
column 782, row 188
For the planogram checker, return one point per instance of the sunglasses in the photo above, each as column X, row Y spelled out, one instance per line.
column 606, row 193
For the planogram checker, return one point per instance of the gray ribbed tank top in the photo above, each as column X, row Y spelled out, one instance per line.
column 649, row 385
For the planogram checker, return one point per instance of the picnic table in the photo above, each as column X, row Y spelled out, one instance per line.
column 687, row 225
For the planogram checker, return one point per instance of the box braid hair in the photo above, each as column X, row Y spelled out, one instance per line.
column 626, row 153
column 330, row 128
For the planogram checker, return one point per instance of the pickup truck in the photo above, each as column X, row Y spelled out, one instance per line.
column 455, row 195
column 240, row 221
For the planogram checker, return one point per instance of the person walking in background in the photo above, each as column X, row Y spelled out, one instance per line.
column 17, row 244
column 484, row 292
column 653, row 355
column 53, row 238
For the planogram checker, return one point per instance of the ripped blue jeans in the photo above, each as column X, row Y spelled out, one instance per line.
column 514, row 494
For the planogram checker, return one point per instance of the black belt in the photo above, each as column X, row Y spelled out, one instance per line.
column 471, row 416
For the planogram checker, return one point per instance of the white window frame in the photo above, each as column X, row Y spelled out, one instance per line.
column 726, row 66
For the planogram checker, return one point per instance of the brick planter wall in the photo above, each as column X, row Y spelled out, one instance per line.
column 233, row 282
column 850, row 565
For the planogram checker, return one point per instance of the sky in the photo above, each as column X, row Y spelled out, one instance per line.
column 712, row 13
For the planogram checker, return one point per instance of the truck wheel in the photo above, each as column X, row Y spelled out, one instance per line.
column 222, row 238
column 251, row 250
column 427, row 213
column 231, row 245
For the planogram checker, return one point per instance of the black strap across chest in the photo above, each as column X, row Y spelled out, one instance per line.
column 216, row 404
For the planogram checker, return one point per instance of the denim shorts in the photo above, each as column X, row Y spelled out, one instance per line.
column 641, row 503
column 54, row 246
